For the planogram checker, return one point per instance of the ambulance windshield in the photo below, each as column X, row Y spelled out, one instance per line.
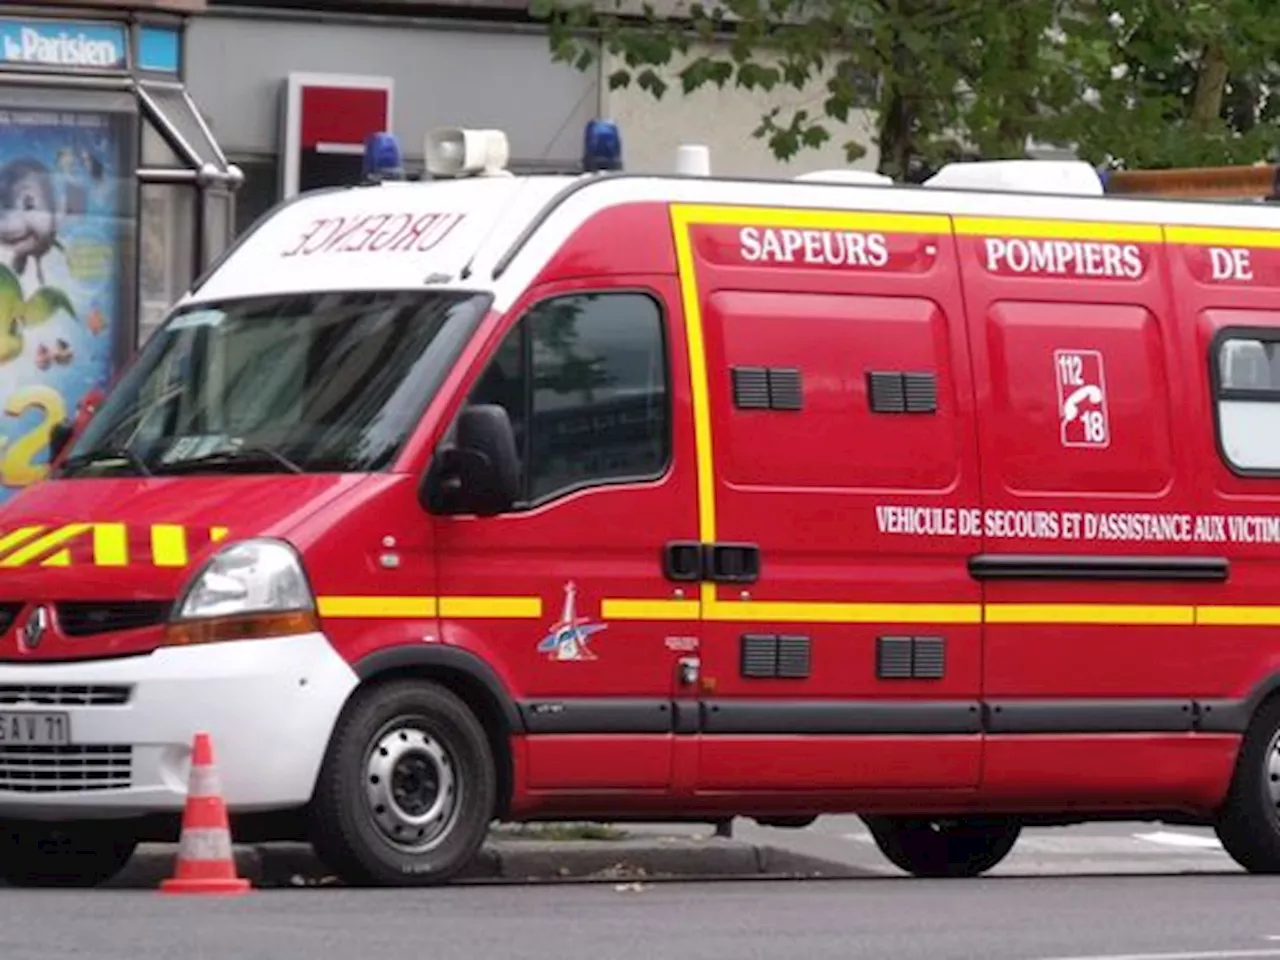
column 300, row 383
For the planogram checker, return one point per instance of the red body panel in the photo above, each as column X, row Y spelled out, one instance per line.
column 816, row 527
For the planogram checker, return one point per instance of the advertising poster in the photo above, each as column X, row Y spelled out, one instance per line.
column 62, row 270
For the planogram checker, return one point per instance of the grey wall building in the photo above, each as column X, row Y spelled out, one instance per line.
column 441, row 72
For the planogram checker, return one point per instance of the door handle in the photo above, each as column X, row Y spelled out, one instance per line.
column 688, row 561
column 682, row 560
column 731, row 562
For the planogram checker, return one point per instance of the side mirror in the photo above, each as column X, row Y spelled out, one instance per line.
column 480, row 472
column 59, row 437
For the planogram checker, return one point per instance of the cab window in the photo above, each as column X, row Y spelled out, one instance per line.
column 1248, row 400
column 584, row 379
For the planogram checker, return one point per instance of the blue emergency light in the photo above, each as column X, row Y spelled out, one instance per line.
column 382, row 159
column 601, row 146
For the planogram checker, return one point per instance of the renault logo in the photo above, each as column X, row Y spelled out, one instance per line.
column 34, row 630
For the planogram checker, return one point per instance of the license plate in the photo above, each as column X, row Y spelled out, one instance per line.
column 35, row 729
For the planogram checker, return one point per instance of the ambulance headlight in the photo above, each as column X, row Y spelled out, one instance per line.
column 248, row 590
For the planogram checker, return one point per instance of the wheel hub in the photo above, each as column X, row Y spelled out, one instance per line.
column 1273, row 774
column 411, row 788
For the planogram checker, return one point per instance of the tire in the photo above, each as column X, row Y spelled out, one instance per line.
column 785, row 823
column 1248, row 824
column 963, row 847
column 74, row 855
column 406, row 754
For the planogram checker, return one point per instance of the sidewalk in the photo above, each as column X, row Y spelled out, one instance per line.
column 542, row 853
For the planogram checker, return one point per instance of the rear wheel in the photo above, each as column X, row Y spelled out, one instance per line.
column 407, row 789
column 962, row 847
column 1249, row 822
column 34, row 854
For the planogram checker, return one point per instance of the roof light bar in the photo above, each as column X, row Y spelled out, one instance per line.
column 1220, row 183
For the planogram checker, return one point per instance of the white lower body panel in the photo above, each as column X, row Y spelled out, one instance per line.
column 268, row 705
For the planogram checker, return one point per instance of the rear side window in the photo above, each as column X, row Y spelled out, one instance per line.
column 1247, row 368
column 584, row 379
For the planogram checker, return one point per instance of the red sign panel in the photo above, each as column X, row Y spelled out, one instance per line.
column 327, row 119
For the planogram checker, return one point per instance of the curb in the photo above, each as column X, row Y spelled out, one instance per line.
column 528, row 861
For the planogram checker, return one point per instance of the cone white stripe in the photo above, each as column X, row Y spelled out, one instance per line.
column 202, row 843
column 204, row 782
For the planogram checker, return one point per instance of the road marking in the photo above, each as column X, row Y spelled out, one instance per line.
column 1171, row 839
column 1190, row 955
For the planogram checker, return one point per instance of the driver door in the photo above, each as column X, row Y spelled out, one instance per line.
column 565, row 594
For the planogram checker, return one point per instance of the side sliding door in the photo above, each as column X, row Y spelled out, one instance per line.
column 1092, row 567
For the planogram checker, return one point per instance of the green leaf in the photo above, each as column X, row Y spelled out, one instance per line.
column 10, row 295
column 43, row 304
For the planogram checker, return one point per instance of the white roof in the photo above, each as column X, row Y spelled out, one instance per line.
column 424, row 234
column 398, row 235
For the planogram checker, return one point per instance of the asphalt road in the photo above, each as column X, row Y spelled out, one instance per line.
column 1161, row 918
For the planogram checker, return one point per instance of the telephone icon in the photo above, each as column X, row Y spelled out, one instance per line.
column 1071, row 406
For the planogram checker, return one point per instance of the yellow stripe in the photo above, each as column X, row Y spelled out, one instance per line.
column 1112, row 614
column 377, row 607
column 60, row 559
column 807, row 219
column 650, row 610
column 491, row 608
column 110, row 545
column 17, row 537
column 682, row 219
column 45, row 544
column 1222, row 237
column 784, row 612
column 770, row 611
column 1238, row 616
column 217, row 534
column 169, row 545
column 1058, row 229
column 697, row 366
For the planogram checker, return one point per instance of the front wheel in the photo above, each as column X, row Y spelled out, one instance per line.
column 406, row 792
column 1248, row 824
column 963, row 847
column 76, row 855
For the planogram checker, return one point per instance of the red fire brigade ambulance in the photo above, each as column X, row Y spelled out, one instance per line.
column 660, row 497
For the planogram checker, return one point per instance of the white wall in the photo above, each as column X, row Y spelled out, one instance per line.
column 724, row 121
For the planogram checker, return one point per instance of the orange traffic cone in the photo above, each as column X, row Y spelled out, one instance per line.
column 205, row 861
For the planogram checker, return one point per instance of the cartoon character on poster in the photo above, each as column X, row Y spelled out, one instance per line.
column 60, row 273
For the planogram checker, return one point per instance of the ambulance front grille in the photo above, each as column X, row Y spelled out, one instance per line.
column 64, row 695
column 73, row 769
column 87, row 619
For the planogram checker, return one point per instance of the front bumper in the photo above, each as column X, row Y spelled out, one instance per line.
column 269, row 706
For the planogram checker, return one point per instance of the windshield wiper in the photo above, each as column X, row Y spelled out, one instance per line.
column 233, row 455
column 100, row 456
